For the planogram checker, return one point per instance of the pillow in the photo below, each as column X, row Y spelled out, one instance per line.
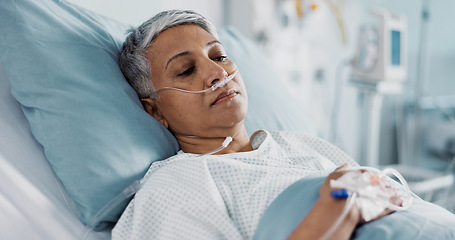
column 61, row 61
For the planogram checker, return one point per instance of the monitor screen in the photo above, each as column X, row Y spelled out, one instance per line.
column 395, row 48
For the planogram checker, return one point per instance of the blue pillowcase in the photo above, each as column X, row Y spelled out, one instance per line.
column 61, row 61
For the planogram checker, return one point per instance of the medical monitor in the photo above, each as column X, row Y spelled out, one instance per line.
column 382, row 49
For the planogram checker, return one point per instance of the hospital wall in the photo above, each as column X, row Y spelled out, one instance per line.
column 312, row 53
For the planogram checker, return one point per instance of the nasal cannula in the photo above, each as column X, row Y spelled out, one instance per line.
column 213, row 88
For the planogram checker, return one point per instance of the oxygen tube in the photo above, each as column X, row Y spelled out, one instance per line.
column 371, row 191
column 219, row 84
column 125, row 194
column 115, row 202
column 225, row 143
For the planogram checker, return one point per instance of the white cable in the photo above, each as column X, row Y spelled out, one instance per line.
column 336, row 102
column 405, row 204
column 125, row 194
column 225, row 143
column 223, row 146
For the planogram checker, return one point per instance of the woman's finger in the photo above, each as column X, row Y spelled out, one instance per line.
column 344, row 166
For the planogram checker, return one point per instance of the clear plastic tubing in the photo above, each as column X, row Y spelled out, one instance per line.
column 219, row 84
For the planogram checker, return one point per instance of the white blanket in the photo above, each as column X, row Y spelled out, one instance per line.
column 222, row 196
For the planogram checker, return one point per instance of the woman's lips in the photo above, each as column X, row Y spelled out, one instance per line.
column 225, row 96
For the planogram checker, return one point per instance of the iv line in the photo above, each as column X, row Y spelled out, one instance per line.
column 349, row 204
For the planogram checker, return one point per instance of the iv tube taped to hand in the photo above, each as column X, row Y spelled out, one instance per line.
column 371, row 191
column 219, row 84
column 375, row 190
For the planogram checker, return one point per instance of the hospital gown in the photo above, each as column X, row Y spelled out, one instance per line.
column 222, row 196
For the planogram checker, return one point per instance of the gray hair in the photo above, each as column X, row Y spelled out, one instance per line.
column 133, row 57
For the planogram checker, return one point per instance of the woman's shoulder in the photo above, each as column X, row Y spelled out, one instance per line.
column 282, row 138
column 295, row 142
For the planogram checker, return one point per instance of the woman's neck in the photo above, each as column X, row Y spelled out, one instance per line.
column 200, row 145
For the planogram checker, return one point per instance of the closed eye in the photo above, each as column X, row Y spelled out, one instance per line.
column 187, row 72
column 220, row 58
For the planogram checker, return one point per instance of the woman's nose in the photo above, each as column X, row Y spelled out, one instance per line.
column 215, row 74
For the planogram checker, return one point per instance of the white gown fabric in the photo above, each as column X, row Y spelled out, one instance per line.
column 222, row 196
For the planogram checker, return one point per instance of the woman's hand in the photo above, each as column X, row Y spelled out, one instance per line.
column 326, row 189
column 324, row 213
column 327, row 209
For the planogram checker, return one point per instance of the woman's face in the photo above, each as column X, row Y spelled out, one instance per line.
column 190, row 58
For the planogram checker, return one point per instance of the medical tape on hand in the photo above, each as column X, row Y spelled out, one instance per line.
column 374, row 190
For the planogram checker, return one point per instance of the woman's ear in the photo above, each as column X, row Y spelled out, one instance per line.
column 151, row 107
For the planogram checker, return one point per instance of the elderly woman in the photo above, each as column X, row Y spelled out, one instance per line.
column 221, row 182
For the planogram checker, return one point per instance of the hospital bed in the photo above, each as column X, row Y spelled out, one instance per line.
column 57, row 70
column 73, row 135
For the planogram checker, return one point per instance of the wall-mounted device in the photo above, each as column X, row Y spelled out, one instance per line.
column 382, row 49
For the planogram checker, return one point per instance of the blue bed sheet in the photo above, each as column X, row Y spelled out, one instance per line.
column 423, row 220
